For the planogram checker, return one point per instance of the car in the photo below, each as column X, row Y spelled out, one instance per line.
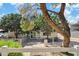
column 1, row 35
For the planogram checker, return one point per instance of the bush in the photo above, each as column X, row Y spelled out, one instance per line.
column 15, row 54
column 11, row 44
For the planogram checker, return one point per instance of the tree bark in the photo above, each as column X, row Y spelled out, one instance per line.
column 65, row 25
column 66, row 41
column 67, row 30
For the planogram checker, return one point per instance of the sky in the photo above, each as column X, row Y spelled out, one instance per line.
column 71, row 12
column 7, row 8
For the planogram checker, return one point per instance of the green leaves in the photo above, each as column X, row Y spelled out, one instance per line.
column 11, row 22
column 26, row 25
column 41, row 24
column 55, row 18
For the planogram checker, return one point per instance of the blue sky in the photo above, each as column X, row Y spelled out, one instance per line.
column 7, row 8
column 71, row 12
column 50, row 7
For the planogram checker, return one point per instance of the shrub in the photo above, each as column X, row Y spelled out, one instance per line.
column 11, row 44
column 15, row 54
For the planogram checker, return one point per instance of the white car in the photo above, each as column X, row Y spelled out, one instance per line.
column 1, row 35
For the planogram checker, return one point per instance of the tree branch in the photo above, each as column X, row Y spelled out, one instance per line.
column 53, row 12
column 62, row 8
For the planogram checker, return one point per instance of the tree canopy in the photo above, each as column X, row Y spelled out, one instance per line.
column 26, row 25
column 11, row 22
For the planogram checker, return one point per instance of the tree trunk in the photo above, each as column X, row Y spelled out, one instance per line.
column 16, row 34
column 66, row 41
column 66, row 29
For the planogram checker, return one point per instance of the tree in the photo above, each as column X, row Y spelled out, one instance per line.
column 65, row 31
column 41, row 24
column 28, row 14
column 11, row 22
column 26, row 25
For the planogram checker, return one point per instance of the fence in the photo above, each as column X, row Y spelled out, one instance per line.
column 5, row 50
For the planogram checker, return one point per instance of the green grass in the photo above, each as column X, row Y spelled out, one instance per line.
column 11, row 44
